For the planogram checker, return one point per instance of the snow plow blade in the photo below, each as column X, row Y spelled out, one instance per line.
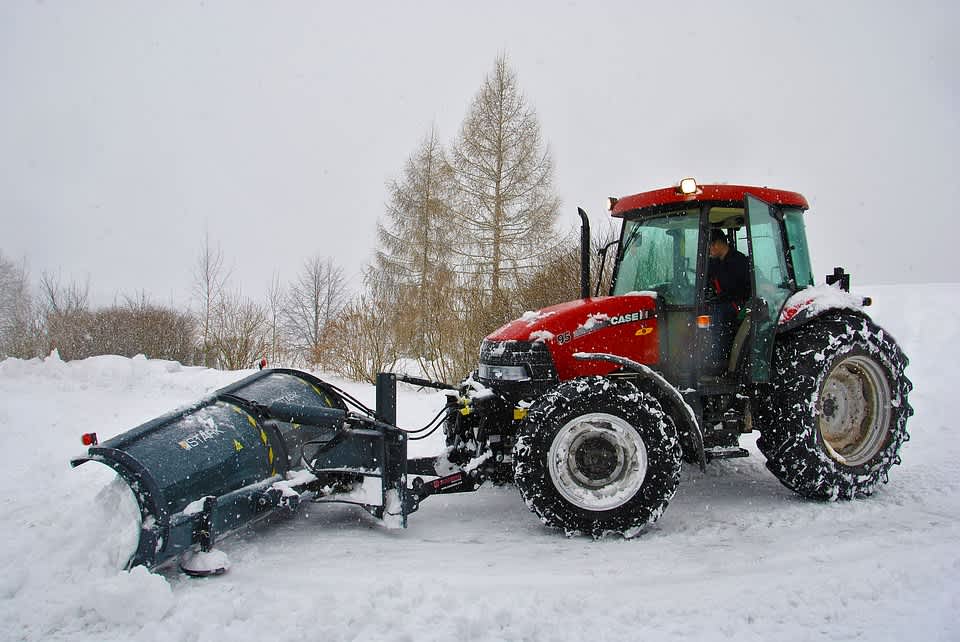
column 248, row 450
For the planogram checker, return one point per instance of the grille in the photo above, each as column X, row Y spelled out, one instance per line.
column 534, row 356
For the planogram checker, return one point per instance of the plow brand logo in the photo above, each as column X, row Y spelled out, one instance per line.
column 200, row 437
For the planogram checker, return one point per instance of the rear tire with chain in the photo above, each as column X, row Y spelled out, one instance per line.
column 597, row 457
column 834, row 416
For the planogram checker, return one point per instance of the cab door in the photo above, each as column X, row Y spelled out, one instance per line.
column 772, row 282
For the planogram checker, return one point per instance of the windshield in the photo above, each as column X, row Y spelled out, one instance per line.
column 660, row 254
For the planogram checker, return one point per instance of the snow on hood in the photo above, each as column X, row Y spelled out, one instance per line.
column 532, row 318
column 593, row 320
column 541, row 336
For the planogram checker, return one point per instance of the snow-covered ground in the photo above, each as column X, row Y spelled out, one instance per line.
column 736, row 556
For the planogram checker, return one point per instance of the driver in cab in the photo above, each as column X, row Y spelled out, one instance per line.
column 728, row 280
column 728, row 272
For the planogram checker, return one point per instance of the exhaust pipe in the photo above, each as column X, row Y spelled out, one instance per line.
column 584, row 254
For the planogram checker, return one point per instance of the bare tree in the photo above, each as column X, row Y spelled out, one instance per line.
column 368, row 345
column 141, row 327
column 275, row 305
column 558, row 279
column 210, row 277
column 64, row 299
column 503, row 177
column 242, row 332
column 313, row 302
column 19, row 328
column 453, row 325
column 66, row 317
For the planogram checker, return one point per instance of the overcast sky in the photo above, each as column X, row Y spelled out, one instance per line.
column 127, row 129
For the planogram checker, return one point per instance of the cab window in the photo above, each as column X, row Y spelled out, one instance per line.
column 660, row 254
column 797, row 237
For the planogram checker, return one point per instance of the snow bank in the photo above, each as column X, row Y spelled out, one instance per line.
column 735, row 555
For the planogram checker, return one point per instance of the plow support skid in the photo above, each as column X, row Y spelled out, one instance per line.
column 246, row 451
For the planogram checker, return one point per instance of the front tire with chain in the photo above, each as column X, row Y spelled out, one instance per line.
column 834, row 416
column 597, row 457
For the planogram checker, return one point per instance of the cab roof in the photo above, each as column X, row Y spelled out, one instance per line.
column 722, row 193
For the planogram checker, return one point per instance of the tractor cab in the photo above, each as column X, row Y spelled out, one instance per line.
column 664, row 249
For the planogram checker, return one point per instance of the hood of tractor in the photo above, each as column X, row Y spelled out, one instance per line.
column 538, row 348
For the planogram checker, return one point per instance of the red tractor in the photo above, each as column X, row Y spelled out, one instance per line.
column 590, row 406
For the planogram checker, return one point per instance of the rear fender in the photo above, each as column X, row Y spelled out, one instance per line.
column 812, row 302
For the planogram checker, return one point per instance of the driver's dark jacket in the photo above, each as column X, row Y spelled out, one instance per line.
column 729, row 278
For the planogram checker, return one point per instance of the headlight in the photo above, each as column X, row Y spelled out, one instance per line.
column 504, row 373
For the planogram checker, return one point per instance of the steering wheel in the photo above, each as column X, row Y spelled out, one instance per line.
column 682, row 288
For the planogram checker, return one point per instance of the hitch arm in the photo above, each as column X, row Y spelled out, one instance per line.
column 425, row 383
column 458, row 482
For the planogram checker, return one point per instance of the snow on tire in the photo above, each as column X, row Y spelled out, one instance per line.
column 835, row 414
column 597, row 457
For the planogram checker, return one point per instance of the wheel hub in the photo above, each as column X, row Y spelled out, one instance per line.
column 598, row 461
column 854, row 410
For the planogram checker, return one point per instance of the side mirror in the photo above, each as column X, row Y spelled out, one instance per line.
column 841, row 277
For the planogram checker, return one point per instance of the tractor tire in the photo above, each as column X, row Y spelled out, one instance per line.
column 834, row 416
column 597, row 457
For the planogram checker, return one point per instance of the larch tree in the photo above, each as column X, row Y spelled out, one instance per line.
column 503, row 177
column 413, row 258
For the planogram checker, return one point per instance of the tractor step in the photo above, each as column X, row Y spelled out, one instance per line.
column 725, row 452
column 720, row 385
